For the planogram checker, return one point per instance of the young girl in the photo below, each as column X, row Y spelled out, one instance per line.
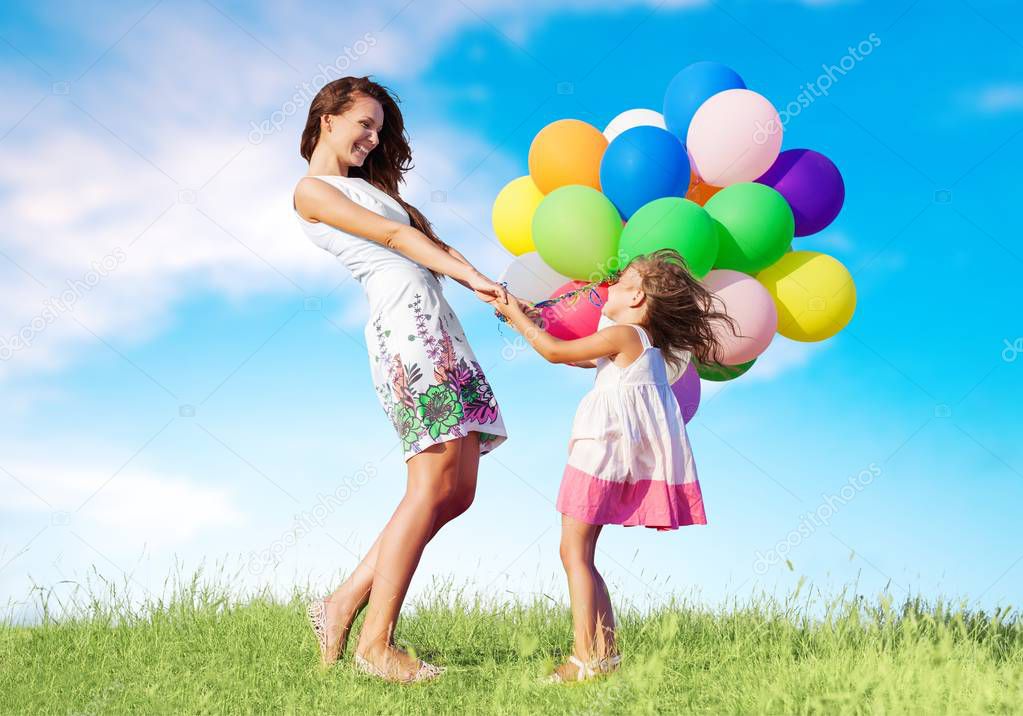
column 629, row 458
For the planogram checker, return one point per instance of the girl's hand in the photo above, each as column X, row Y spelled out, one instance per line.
column 514, row 307
column 531, row 312
column 487, row 290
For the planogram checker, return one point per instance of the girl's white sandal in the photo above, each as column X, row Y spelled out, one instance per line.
column 588, row 670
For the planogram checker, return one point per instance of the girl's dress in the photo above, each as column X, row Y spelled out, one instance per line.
column 629, row 458
column 425, row 373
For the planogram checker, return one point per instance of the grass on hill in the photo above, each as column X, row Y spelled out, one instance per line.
column 202, row 650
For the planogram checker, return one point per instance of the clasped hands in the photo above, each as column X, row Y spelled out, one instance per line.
column 498, row 296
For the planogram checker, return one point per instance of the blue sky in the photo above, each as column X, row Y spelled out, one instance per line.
column 199, row 401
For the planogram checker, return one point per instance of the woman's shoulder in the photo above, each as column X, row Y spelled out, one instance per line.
column 316, row 185
column 314, row 190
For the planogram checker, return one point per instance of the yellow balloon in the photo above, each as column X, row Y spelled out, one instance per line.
column 813, row 292
column 512, row 215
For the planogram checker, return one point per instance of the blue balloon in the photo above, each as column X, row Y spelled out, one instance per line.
column 642, row 164
column 690, row 88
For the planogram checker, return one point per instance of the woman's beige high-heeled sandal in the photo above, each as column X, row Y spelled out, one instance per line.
column 588, row 670
column 317, row 611
column 425, row 671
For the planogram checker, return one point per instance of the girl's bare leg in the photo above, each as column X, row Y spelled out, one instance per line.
column 576, row 540
column 605, row 632
column 592, row 616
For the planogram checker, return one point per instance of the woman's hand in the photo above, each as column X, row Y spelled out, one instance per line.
column 487, row 290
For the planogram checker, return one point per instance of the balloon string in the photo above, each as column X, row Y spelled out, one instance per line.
column 571, row 296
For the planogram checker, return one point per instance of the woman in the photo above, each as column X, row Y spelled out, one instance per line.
column 425, row 373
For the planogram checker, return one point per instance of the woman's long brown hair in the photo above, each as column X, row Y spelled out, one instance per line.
column 386, row 165
column 680, row 310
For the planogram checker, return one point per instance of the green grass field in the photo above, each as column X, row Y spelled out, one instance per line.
column 203, row 651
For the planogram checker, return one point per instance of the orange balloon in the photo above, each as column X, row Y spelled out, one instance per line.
column 564, row 152
column 699, row 191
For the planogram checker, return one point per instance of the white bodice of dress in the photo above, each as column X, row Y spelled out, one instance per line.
column 628, row 405
column 654, row 368
column 648, row 368
column 377, row 267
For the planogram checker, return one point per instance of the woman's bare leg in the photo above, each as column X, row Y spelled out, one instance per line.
column 345, row 603
column 432, row 494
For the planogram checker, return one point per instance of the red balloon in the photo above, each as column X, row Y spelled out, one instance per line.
column 577, row 316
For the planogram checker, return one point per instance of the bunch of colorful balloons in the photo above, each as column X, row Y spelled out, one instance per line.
column 706, row 177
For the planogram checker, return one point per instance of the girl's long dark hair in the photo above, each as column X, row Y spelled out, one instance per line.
column 386, row 165
column 681, row 311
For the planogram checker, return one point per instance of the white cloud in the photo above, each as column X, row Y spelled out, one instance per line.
column 830, row 239
column 167, row 110
column 137, row 505
column 136, row 141
column 782, row 357
column 997, row 99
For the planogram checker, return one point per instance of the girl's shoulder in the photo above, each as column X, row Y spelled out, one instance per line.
column 625, row 339
column 620, row 336
column 622, row 330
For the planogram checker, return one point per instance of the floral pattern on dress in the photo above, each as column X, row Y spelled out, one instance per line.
column 459, row 394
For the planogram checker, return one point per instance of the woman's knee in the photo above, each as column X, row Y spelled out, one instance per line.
column 436, row 495
column 433, row 476
column 453, row 503
column 461, row 500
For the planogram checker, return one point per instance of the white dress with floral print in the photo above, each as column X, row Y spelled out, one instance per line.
column 425, row 373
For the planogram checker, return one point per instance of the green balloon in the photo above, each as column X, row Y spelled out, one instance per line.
column 755, row 226
column 720, row 373
column 576, row 231
column 671, row 223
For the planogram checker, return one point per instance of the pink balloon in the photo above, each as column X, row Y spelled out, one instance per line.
column 687, row 392
column 744, row 299
column 734, row 136
column 575, row 317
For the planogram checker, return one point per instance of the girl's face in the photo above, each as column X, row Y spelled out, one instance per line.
column 623, row 294
column 354, row 134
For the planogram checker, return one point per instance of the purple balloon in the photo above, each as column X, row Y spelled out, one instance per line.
column 687, row 392
column 811, row 184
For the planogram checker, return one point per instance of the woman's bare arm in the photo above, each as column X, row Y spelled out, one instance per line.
column 458, row 255
column 316, row 200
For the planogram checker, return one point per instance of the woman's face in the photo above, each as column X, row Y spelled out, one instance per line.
column 355, row 133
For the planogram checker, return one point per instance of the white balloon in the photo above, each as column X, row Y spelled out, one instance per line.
column 673, row 374
column 529, row 277
column 633, row 118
